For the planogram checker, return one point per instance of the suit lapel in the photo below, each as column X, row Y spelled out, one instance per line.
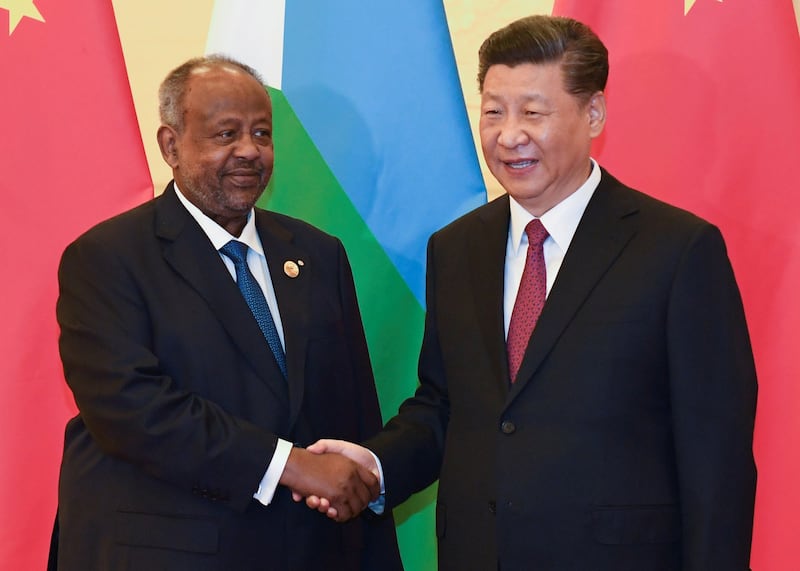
column 607, row 225
column 187, row 249
column 487, row 277
column 293, row 295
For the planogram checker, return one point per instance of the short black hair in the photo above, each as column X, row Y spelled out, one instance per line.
column 549, row 39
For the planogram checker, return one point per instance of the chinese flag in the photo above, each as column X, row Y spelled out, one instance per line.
column 704, row 112
column 70, row 156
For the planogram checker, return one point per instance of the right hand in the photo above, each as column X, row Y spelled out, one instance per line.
column 357, row 453
column 347, row 486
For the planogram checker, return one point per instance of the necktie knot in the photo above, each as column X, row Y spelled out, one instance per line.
column 236, row 251
column 536, row 232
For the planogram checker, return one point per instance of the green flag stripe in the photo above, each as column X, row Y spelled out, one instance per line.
column 304, row 186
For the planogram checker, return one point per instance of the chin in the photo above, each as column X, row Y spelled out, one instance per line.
column 522, row 194
column 244, row 196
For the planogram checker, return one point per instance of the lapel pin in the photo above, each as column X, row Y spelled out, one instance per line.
column 290, row 268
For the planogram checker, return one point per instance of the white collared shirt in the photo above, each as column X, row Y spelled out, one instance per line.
column 257, row 262
column 561, row 221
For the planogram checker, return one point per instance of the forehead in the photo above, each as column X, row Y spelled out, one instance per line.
column 531, row 80
column 224, row 90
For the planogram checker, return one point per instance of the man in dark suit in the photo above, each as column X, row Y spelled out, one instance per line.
column 624, row 440
column 181, row 456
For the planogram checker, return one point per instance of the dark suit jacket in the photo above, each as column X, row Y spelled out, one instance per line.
column 626, row 443
column 181, row 401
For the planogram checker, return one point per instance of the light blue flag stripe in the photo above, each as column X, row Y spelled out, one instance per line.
column 375, row 85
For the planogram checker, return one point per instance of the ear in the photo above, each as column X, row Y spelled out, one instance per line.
column 168, row 143
column 597, row 113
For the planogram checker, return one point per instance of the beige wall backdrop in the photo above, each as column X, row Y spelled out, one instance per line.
column 470, row 22
column 158, row 35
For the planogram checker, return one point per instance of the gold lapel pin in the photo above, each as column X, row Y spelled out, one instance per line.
column 290, row 268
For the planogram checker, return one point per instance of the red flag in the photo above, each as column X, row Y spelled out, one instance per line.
column 70, row 156
column 704, row 112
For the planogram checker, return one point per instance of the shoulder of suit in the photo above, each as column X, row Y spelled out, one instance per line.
column 124, row 224
column 497, row 210
column 279, row 222
column 648, row 205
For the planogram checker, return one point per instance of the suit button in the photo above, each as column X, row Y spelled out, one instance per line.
column 508, row 427
column 492, row 508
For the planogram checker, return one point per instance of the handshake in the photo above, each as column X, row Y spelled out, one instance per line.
column 335, row 477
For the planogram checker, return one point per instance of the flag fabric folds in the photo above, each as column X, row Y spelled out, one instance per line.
column 704, row 111
column 372, row 144
column 71, row 155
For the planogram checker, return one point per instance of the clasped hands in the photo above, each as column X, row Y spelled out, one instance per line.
column 335, row 477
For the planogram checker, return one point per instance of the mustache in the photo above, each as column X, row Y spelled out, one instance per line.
column 245, row 169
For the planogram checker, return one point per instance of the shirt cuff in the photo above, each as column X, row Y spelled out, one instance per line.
column 378, row 506
column 269, row 483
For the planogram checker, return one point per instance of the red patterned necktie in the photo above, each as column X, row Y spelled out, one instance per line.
column 530, row 298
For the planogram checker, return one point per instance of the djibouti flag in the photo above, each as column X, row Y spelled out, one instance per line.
column 372, row 144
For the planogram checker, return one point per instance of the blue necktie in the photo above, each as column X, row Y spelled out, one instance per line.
column 237, row 252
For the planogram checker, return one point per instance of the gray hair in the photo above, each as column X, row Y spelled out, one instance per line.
column 172, row 91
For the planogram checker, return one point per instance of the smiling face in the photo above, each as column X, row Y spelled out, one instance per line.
column 222, row 157
column 536, row 136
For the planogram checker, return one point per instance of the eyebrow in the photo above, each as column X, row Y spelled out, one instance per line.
column 537, row 97
column 232, row 121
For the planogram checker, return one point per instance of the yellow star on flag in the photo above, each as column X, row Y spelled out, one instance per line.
column 18, row 9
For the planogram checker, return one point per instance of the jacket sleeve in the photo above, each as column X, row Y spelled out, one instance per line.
column 130, row 406
column 411, row 446
column 713, row 398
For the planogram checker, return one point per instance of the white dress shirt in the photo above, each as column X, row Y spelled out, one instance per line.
column 561, row 221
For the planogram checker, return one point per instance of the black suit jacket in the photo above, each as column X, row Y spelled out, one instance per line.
column 181, row 402
column 626, row 442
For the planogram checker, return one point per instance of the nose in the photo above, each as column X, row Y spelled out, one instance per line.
column 247, row 148
column 511, row 133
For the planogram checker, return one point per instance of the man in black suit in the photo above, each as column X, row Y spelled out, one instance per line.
column 181, row 456
column 624, row 441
